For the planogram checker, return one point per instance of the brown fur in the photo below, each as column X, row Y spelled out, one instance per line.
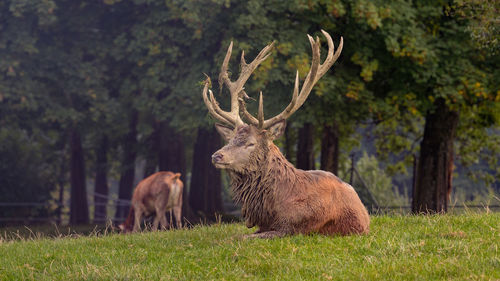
column 280, row 199
column 155, row 194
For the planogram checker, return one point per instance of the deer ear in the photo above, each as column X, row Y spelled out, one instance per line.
column 224, row 131
column 277, row 129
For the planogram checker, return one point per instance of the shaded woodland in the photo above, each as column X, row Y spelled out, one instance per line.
column 96, row 95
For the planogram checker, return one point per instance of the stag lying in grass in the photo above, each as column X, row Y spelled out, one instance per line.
column 155, row 195
column 275, row 196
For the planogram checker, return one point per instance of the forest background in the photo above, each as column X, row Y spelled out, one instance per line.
column 96, row 95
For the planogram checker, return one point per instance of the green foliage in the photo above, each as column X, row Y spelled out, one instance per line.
column 89, row 64
column 397, row 138
column 25, row 175
column 398, row 248
column 478, row 146
column 484, row 27
column 379, row 183
column 482, row 193
column 413, row 55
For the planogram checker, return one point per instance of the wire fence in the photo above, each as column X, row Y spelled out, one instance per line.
column 112, row 203
column 453, row 209
column 60, row 212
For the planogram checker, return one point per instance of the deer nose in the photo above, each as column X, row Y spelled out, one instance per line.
column 217, row 157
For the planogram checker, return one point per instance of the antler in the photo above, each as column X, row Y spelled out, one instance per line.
column 236, row 88
column 316, row 71
column 238, row 94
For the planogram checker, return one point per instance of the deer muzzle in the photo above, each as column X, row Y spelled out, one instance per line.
column 218, row 159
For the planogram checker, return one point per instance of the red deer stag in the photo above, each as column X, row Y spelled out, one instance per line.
column 275, row 196
column 156, row 195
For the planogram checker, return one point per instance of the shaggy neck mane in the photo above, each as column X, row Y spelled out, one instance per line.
column 255, row 190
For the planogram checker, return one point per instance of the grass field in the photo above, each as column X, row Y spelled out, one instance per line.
column 445, row 247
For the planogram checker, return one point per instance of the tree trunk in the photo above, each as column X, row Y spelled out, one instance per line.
column 61, row 199
column 79, row 210
column 305, row 147
column 162, row 145
column 171, row 150
column 330, row 148
column 205, row 190
column 61, row 181
column 214, row 182
column 151, row 153
column 101, row 181
column 126, row 183
column 149, row 167
column 172, row 157
column 433, row 181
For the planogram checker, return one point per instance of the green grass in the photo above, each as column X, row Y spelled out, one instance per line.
column 53, row 231
column 446, row 247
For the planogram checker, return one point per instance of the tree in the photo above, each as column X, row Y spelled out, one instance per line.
column 330, row 149
column 430, row 68
column 101, row 187
column 305, row 147
column 447, row 71
column 72, row 70
column 79, row 213
column 24, row 177
column 127, row 172
column 164, row 66
column 111, row 69
column 170, row 150
column 205, row 190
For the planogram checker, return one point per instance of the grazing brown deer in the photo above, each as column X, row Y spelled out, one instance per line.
column 275, row 196
column 156, row 194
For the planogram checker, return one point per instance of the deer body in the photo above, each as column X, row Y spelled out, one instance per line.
column 275, row 196
column 297, row 201
column 282, row 200
column 155, row 195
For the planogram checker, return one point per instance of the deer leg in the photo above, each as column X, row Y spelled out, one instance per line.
column 265, row 235
column 177, row 215
column 170, row 222
column 260, row 230
column 137, row 219
column 156, row 221
column 163, row 221
column 161, row 216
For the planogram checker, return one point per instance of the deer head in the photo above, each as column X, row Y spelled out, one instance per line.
column 249, row 142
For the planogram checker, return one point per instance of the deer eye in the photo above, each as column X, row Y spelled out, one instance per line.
column 250, row 145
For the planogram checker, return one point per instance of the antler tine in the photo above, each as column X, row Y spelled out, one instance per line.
column 211, row 104
column 224, row 78
column 248, row 69
column 331, row 57
column 316, row 71
column 249, row 117
column 260, row 115
column 223, row 75
column 313, row 71
column 242, row 60
column 288, row 110
column 226, row 115
column 236, row 87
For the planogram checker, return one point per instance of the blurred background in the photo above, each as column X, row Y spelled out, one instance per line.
column 96, row 95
